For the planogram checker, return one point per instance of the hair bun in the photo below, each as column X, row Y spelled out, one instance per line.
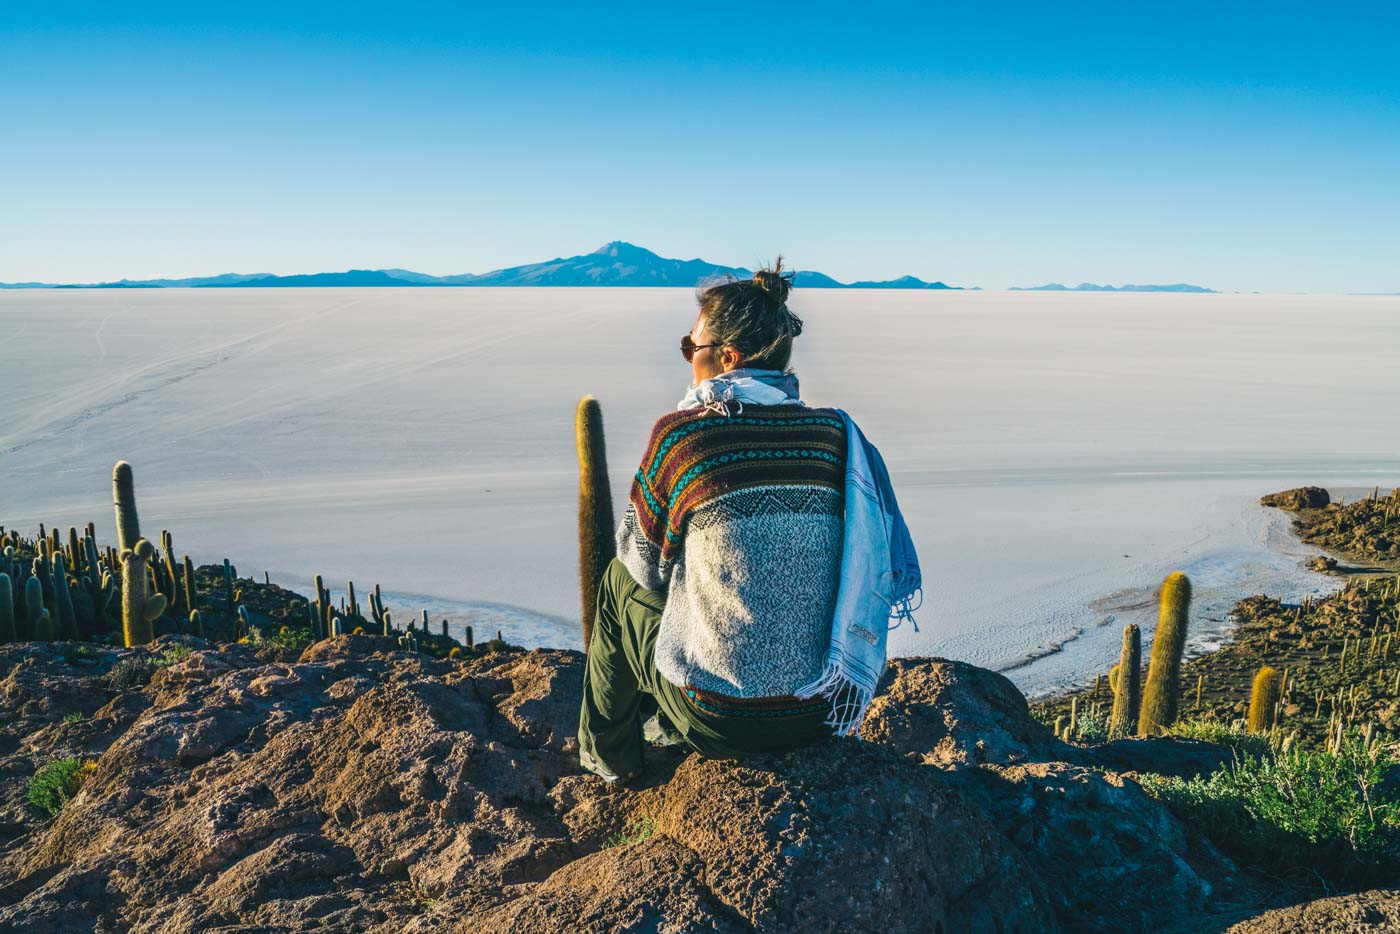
column 774, row 281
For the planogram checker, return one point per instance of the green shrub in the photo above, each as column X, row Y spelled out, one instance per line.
column 129, row 674
column 1337, row 814
column 1213, row 731
column 1092, row 728
column 284, row 638
column 74, row 717
column 172, row 656
column 52, row 786
column 641, row 829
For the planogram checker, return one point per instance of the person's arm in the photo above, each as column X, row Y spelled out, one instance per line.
column 641, row 536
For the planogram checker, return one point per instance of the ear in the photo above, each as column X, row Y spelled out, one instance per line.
column 729, row 358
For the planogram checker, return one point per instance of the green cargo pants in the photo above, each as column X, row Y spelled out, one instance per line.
column 621, row 668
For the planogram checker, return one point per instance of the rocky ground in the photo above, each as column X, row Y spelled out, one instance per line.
column 356, row 786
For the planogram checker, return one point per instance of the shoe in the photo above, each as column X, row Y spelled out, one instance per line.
column 590, row 764
column 659, row 732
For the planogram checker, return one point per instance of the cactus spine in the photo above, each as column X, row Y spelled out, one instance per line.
column 1262, row 700
column 140, row 608
column 124, row 498
column 595, row 513
column 1127, row 691
column 1160, row 696
column 7, row 610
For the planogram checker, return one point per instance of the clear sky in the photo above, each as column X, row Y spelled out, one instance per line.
column 1240, row 146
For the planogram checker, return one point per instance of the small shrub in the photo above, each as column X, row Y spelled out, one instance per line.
column 74, row 717
column 172, row 655
column 284, row 638
column 1337, row 814
column 129, row 674
column 1213, row 731
column 640, row 830
column 1092, row 728
column 55, row 784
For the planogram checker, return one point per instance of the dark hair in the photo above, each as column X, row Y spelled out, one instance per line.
column 752, row 315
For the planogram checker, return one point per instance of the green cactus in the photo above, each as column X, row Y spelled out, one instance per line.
column 1262, row 700
column 99, row 584
column 67, row 622
column 172, row 570
column 376, row 609
column 323, row 607
column 596, row 547
column 7, row 610
column 1127, row 684
column 229, row 598
column 354, row 609
column 124, row 498
column 33, row 603
column 196, row 624
column 76, row 554
column 44, row 628
column 1162, row 693
column 191, row 592
column 140, row 608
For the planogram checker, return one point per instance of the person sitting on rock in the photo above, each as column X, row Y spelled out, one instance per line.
column 729, row 601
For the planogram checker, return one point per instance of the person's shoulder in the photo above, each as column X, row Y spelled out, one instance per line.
column 672, row 420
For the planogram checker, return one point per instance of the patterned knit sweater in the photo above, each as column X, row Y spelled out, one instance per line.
column 740, row 519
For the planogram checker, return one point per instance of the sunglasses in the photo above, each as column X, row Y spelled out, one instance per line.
column 688, row 347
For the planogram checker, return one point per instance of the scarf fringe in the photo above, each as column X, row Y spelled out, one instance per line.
column 849, row 698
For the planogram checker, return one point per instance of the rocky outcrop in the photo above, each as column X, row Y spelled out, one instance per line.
column 1304, row 497
column 358, row 787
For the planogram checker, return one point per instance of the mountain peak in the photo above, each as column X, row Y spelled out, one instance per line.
column 619, row 249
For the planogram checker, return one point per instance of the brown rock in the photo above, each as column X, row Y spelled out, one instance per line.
column 1376, row 910
column 1304, row 497
column 949, row 713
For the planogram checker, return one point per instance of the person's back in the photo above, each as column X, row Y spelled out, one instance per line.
column 720, row 603
column 738, row 516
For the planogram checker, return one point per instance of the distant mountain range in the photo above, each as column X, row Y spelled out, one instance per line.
column 1090, row 287
column 615, row 264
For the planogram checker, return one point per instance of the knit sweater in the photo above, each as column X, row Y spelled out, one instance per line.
column 739, row 518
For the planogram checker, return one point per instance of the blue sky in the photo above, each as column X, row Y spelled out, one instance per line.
column 1241, row 146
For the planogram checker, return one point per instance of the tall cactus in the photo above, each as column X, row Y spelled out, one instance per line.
column 323, row 608
column 99, row 584
column 67, row 622
column 76, row 554
column 172, row 570
column 191, row 592
column 44, row 628
column 140, row 608
column 229, row 573
column 124, row 498
column 33, row 604
column 596, row 546
column 1163, row 691
column 7, row 610
column 382, row 618
column 1262, row 700
column 1127, row 686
